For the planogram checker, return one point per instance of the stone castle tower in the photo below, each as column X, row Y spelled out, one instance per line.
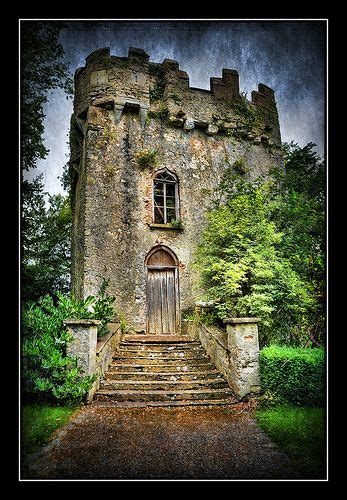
column 147, row 153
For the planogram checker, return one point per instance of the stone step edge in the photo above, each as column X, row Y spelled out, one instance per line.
column 167, row 374
column 106, row 392
column 161, row 358
column 132, row 365
column 158, row 338
column 161, row 340
column 193, row 352
column 165, row 349
column 163, row 382
column 144, row 404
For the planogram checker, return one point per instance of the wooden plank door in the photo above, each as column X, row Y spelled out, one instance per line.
column 161, row 301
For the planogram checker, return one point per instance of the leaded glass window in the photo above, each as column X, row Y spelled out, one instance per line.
column 165, row 196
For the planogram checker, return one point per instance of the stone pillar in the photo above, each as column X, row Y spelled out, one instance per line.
column 243, row 346
column 83, row 345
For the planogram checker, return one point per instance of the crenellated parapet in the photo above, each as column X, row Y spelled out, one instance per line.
column 162, row 91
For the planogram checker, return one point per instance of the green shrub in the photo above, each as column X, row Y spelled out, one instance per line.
column 103, row 309
column 176, row 223
column 48, row 373
column 293, row 375
column 147, row 158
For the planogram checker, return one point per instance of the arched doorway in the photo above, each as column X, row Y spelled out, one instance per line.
column 162, row 291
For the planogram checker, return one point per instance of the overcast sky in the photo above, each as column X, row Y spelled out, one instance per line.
column 287, row 56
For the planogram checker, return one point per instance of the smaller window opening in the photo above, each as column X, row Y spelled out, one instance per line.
column 165, row 197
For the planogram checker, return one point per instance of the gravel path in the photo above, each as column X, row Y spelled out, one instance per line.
column 105, row 442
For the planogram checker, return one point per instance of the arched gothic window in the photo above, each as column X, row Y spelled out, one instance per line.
column 165, row 198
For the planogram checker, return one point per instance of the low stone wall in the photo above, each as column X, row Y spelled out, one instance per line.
column 234, row 351
column 106, row 347
column 94, row 356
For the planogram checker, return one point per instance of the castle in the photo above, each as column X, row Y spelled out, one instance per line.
column 147, row 154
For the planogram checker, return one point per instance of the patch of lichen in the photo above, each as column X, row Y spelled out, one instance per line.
column 107, row 134
column 110, row 133
column 110, row 170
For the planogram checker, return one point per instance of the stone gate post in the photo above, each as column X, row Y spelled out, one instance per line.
column 243, row 345
column 83, row 345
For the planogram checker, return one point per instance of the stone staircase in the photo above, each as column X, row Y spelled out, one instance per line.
column 162, row 371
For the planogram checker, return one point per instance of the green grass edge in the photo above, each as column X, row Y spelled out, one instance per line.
column 39, row 421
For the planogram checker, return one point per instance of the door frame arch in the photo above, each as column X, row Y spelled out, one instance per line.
column 166, row 249
column 175, row 268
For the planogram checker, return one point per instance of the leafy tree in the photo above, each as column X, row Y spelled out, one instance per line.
column 299, row 211
column 263, row 249
column 242, row 268
column 42, row 70
column 46, row 234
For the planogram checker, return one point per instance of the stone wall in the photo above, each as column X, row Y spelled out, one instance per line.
column 106, row 347
column 94, row 356
column 234, row 351
column 125, row 106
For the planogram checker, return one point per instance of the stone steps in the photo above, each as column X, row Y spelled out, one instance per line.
column 164, row 385
column 158, row 339
column 168, row 376
column 167, row 404
column 191, row 361
column 157, row 371
column 160, row 368
column 155, row 348
column 163, row 395
column 169, row 356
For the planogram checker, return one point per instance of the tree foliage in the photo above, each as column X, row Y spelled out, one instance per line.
column 45, row 231
column 48, row 372
column 42, row 70
column 263, row 250
column 46, row 240
column 299, row 212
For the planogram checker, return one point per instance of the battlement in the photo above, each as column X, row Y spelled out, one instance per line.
column 163, row 90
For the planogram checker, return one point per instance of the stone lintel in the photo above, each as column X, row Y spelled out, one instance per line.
column 83, row 322
column 235, row 321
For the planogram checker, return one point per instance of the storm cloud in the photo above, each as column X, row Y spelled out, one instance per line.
column 287, row 56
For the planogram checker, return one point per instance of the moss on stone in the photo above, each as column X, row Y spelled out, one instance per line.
column 160, row 112
column 156, row 93
column 110, row 170
column 241, row 166
column 147, row 158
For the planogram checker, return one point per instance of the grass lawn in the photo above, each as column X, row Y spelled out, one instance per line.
column 39, row 422
column 301, row 433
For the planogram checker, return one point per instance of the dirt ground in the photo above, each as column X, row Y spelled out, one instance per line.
column 106, row 442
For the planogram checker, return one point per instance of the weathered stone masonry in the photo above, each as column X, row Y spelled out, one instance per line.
column 125, row 106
